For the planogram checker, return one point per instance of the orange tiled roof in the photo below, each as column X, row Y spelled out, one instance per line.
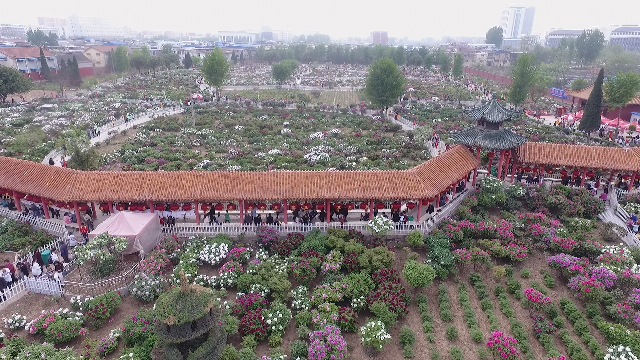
column 584, row 94
column 23, row 52
column 423, row 181
column 593, row 157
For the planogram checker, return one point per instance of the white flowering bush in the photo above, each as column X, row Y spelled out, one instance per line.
column 619, row 352
column 260, row 289
column 15, row 321
column 101, row 252
column 316, row 135
column 214, row 253
column 491, row 184
column 277, row 317
column 147, row 287
column 359, row 303
column 380, row 226
column 300, row 299
column 78, row 302
column 374, row 334
column 632, row 208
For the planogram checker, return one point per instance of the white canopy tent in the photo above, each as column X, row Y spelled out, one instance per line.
column 142, row 230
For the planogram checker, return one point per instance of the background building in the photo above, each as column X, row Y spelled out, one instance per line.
column 626, row 36
column 27, row 60
column 517, row 21
column 379, row 38
column 237, row 37
column 555, row 36
column 92, row 27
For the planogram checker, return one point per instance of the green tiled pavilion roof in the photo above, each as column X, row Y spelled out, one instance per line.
column 493, row 112
column 501, row 139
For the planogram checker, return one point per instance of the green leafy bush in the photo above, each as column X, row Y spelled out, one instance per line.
column 415, row 239
column 444, row 304
column 376, row 259
column 525, row 273
column 451, row 333
column 229, row 353
column 418, row 275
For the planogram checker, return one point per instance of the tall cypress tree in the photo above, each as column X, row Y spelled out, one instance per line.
column 75, row 78
column 188, row 63
column 44, row 67
column 592, row 111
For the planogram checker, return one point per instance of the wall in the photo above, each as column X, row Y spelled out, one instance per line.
column 86, row 71
column 503, row 80
column 626, row 112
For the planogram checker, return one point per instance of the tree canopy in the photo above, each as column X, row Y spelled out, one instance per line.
column 588, row 45
column 619, row 90
column 187, row 62
column 385, row 83
column 579, row 84
column 12, row 82
column 444, row 62
column 40, row 39
column 458, row 61
column 215, row 69
column 44, row 67
column 617, row 60
column 494, row 36
column 593, row 110
column 121, row 59
column 524, row 76
column 282, row 71
column 400, row 55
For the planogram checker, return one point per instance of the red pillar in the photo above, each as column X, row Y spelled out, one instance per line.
column 419, row 210
column 506, row 164
column 241, row 208
column 110, row 206
column 285, row 208
column 327, row 209
column 611, row 176
column 371, row 209
column 77, row 211
column 195, row 203
column 93, row 210
column 584, row 174
column 437, row 201
column 17, row 201
column 475, row 171
column 502, row 155
column 633, row 179
column 152, row 208
column 45, row 208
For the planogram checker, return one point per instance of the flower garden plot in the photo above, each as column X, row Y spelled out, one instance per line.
column 234, row 138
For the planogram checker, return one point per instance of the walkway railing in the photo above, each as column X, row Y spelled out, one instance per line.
column 52, row 227
column 103, row 286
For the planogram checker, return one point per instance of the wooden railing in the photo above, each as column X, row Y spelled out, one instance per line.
column 103, row 286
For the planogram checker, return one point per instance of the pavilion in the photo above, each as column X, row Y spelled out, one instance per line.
column 488, row 134
column 242, row 191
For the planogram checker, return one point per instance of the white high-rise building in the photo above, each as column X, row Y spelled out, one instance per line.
column 93, row 27
column 517, row 21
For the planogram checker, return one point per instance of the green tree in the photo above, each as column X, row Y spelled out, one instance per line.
column 619, row 90
column 494, row 36
column 121, row 59
column 234, row 58
column 197, row 61
column 188, row 63
column 428, row 61
column 62, row 77
column 167, row 49
column 385, row 83
column 281, row 72
column 44, row 67
column 414, row 59
column 400, row 55
column 444, row 62
column 588, row 45
column 457, row 66
column 617, row 60
column 12, row 82
column 138, row 60
column 215, row 69
column 579, row 84
column 418, row 274
column 40, row 39
column 593, row 110
column 524, row 76
column 75, row 79
column 154, row 63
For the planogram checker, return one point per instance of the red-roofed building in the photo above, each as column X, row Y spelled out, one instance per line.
column 27, row 60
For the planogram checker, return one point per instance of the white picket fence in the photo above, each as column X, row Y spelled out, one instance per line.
column 52, row 227
column 44, row 286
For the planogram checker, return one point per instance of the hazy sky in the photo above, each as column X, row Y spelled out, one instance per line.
column 415, row 19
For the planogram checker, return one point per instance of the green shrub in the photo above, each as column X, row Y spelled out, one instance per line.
column 451, row 333
column 376, row 259
column 303, row 332
column 249, row 342
column 499, row 272
column 229, row 353
column 407, row 336
column 525, row 273
column 456, row 353
column 275, row 340
column 483, row 353
column 476, row 335
column 592, row 310
column 558, row 322
column 299, row 349
column 417, row 274
column 382, row 313
column 434, row 354
column 415, row 239
column 303, row 318
column 444, row 304
column 246, row 354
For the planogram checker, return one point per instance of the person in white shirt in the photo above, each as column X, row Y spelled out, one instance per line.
column 36, row 270
column 72, row 240
column 6, row 274
column 53, row 258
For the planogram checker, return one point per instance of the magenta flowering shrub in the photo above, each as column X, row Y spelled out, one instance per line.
column 516, row 252
column 239, row 254
column 156, row 263
column 537, row 300
column 266, row 235
column 634, row 298
column 303, row 270
column 607, row 277
column 389, row 290
column 462, row 255
column 565, row 245
column 559, row 357
column 332, row 263
column 453, row 232
column 249, row 302
column 253, row 323
column 327, row 344
column 586, row 287
column 328, row 293
column 569, row 265
column 285, row 246
column 542, row 326
column 231, row 267
column 501, row 229
column 503, row 346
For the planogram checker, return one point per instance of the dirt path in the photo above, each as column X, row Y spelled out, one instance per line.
column 464, row 341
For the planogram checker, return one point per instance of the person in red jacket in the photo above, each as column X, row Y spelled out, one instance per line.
column 84, row 230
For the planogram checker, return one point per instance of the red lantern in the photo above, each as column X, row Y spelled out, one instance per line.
column 576, row 172
column 160, row 207
column 187, row 207
column 527, row 169
column 120, row 207
column 276, row 206
column 133, row 207
column 411, row 205
column 626, row 176
column 319, row 206
column 379, row 205
column 491, row 155
column 219, row 207
column 104, row 207
column 60, row 204
column 231, row 206
column 306, row 206
column 550, row 171
column 19, row 195
column 174, row 207
column 83, row 207
column 591, row 174
column 363, row 205
column 294, row 206
column 396, row 205
column 249, row 206
column 563, row 172
column 142, row 207
column 28, row 198
column 37, row 199
column 262, row 206
column 426, row 202
column 350, row 206
column 337, row 206
column 205, row 207
column 69, row 205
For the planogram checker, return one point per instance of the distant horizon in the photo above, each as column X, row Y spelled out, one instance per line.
column 415, row 20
